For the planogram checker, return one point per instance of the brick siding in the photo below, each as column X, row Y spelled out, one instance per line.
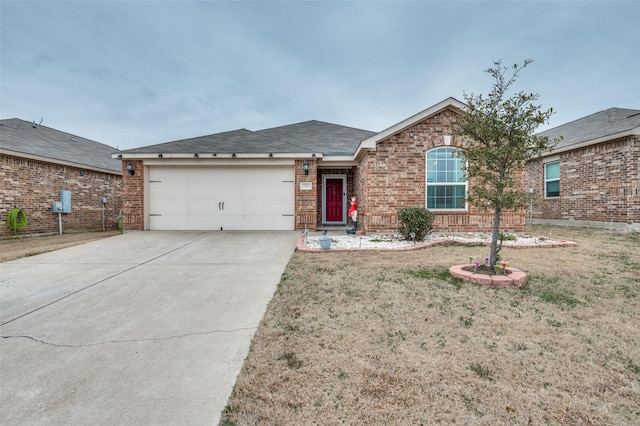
column 307, row 200
column 35, row 185
column 393, row 177
column 133, row 196
column 599, row 183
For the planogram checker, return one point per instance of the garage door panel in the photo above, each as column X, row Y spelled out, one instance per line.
column 261, row 223
column 233, row 198
column 182, row 222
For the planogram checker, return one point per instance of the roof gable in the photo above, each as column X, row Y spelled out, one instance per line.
column 604, row 125
column 450, row 102
column 22, row 137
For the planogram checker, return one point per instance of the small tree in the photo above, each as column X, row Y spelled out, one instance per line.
column 502, row 129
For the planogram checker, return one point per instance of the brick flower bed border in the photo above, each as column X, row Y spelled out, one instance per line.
column 514, row 278
column 544, row 243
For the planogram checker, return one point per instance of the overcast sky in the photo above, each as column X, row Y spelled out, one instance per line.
column 136, row 73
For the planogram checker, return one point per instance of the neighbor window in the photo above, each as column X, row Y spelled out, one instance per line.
column 446, row 180
column 552, row 180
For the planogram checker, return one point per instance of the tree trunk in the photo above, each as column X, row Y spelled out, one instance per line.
column 494, row 238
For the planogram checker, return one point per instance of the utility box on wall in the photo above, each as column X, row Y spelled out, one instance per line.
column 65, row 199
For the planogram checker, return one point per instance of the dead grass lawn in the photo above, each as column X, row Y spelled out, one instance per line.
column 390, row 338
column 12, row 248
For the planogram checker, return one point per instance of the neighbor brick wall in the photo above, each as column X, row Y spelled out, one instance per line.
column 133, row 196
column 599, row 183
column 393, row 177
column 34, row 185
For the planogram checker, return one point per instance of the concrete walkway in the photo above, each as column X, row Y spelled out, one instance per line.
column 145, row 328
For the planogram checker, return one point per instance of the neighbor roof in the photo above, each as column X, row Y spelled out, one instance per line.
column 605, row 125
column 306, row 137
column 21, row 138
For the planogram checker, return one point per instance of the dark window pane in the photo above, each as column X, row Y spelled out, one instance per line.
column 553, row 188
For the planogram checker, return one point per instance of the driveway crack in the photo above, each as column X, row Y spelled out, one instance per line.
column 146, row 339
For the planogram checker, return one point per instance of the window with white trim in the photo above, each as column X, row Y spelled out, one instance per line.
column 552, row 180
column 446, row 180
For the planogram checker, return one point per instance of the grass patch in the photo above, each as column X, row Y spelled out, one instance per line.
column 558, row 297
column 634, row 368
column 549, row 289
column 482, row 372
column 439, row 274
column 291, row 360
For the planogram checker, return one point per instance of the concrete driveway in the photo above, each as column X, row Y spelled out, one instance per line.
column 141, row 328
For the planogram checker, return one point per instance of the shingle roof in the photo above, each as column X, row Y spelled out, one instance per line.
column 318, row 136
column 596, row 126
column 306, row 137
column 50, row 144
column 241, row 141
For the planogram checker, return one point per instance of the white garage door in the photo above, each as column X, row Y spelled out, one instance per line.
column 223, row 197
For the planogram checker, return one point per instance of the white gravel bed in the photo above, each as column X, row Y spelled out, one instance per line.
column 397, row 241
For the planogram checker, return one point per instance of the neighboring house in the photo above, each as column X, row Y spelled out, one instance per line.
column 37, row 162
column 299, row 177
column 592, row 177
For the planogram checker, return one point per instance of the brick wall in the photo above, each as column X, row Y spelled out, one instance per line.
column 34, row 185
column 307, row 200
column 599, row 183
column 393, row 177
column 133, row 196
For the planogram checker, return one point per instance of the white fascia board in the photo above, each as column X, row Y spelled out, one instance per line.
column 205, row 155
column 56, row 161
column 371, row 142
column 218, row 162
column 337, row 162
column 633, row 132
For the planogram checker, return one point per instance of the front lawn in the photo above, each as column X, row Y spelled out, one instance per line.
column 389, row 338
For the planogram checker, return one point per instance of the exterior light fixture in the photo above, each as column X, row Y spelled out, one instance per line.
column 233, row 155
column 130, row 168
column 119, row 156
column 271, row 155
column 305, row 165
column 159, row 155
column 195, row 155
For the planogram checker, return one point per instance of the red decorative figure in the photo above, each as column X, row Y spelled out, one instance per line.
column 353, row 214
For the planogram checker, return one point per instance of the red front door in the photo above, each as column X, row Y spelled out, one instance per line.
column 333, row 203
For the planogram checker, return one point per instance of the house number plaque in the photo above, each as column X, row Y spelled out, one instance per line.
column 306, row 186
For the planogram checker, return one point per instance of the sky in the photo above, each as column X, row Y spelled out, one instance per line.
column 135, row 73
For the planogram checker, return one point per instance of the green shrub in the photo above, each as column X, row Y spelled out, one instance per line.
column 416, row 220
